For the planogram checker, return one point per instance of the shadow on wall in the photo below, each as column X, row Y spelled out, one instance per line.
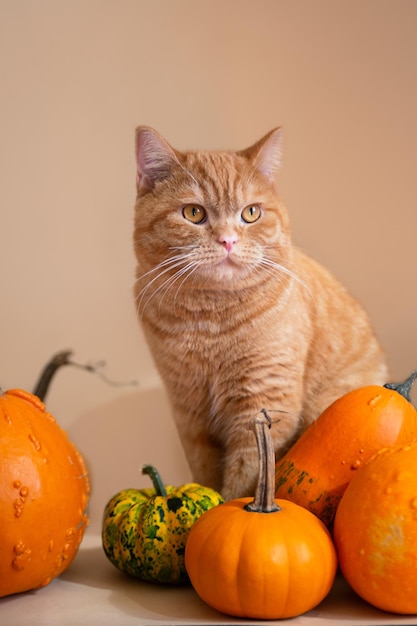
column 117, row 438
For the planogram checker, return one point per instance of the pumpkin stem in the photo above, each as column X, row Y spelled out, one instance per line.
column 48, row 372
column 63, row 358
column 404, row 388
column 264, row 500
column 159, row 486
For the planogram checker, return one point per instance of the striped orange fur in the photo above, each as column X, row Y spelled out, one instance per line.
column 236, row 317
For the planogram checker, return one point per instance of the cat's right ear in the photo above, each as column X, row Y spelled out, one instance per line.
column 266, row 153
column 155, row 158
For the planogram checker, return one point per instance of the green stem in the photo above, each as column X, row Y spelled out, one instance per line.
column 264, row 500
column 404, row 388
column 159, row 486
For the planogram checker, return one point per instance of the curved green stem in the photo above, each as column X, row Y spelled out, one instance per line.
column 404, row 388
column 159, row 486
column 264, row 500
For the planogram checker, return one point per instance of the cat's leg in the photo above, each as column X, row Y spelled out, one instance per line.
column 240, row 468
column 203, row 455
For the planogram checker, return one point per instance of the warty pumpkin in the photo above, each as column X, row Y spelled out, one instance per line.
column 144, row 530
column 44, row 491
column 261, row 558
column 318, row 467
column 375, row 530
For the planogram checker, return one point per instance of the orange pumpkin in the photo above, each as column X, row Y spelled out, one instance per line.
column 375, row 531
column 44, row 490
column 260, row 558
column 315, row 472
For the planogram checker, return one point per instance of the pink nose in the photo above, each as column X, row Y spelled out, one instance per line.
column 228, row 241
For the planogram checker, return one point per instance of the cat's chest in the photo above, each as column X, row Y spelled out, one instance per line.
column 203, row 336
column 208, row 330
column 205, row 340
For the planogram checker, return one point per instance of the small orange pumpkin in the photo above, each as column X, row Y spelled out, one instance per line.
column 317, row 469
column 260, row 558
column 375, row 530
column 44, row 490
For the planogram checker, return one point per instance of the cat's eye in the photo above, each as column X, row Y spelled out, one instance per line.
column 194, row 213
column 251, row 213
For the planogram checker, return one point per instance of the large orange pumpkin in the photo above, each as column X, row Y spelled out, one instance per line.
column 375, row 530
column 261, row 558
column 44, row 490
column 315, row 472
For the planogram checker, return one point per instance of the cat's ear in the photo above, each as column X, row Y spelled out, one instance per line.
column 155, row 158
column 266, row 153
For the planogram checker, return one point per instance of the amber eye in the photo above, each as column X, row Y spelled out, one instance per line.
column 194, row 213
column 251, row 213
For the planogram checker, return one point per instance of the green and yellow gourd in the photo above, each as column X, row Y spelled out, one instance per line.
column 144, row 531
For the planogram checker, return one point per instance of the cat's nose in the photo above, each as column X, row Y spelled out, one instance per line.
column 228, row 241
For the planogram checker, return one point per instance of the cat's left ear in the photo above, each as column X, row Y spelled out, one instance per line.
column 266, row 153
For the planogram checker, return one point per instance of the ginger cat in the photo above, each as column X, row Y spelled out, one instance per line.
column 236, row 317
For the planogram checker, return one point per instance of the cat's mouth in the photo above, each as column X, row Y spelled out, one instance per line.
column 229, row 258
column 229, row 267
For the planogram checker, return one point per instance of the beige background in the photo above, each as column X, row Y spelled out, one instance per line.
column 77, row 76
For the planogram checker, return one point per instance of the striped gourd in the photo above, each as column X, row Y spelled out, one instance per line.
column 144, row 531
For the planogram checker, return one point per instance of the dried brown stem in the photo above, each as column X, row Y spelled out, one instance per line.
column 264, row 500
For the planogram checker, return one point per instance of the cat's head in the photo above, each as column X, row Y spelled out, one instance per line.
column 209, row 218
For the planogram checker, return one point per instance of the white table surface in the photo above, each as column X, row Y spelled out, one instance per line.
column 94, row 592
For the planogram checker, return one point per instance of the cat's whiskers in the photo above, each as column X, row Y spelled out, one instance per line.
column 188, row 275
column 187, row 270
column 184, row 261
column 166, row 266
column 281, row 269
column 268, row 265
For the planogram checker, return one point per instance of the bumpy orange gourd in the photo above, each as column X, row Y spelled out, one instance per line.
column 315, row 472
column 375, row 531
column 261, row 558
column 44, row 490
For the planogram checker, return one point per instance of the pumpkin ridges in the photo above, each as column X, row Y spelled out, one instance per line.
column 125, row 551
column 308, row 533
column 199, row 545
column 156, row 546
column 115, row 510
